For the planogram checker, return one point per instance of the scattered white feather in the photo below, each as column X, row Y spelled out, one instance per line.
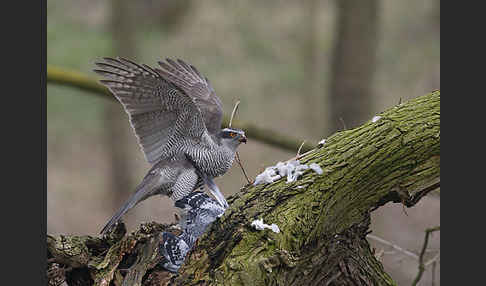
column 294, row 170
column 291, row 169
column 375, row 118
column 259, row 225
column 316, row 168
column 267, row 176
column 281, row 168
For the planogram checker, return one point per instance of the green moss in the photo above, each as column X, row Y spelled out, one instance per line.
column 361, row 166
column 322, row 218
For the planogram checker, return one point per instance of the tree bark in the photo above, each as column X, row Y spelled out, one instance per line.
column 323, row 219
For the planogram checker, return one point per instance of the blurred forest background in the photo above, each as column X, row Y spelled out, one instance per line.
column 305, row 69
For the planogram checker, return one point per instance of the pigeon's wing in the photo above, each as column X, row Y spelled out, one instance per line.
column 198, row 211
column 162, row 115
column 190, row 80
column 174, row 250
column 194, row 200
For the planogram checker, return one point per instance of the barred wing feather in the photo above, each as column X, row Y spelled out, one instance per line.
column 162, row 116
column 189, row 79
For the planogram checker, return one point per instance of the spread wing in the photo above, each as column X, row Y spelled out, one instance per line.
column 188, row 78
column 163, row 116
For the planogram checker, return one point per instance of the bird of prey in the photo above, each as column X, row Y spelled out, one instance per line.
column 198, row 211
column 176, row 117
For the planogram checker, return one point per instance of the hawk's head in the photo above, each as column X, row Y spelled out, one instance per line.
column 232, row 137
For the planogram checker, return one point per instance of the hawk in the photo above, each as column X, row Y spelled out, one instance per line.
column 176, row 117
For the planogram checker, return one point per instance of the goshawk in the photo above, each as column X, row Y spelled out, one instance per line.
column 176, row 117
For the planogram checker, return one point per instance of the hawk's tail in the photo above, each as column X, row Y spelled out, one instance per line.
column 142, row 192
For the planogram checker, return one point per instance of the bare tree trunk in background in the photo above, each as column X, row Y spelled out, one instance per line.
column 123, row 29
column 353, row 62
column 117, row 133
column 166, row 14
column 311, row 66
column 437, row 15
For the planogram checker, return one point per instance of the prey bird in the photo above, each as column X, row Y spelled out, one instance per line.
column 176, row 117
column 197, row 211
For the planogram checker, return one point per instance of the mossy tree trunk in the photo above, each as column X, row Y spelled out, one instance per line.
column 323, row 219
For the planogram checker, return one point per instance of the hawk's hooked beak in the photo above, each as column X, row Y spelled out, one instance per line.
column 243, row 139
